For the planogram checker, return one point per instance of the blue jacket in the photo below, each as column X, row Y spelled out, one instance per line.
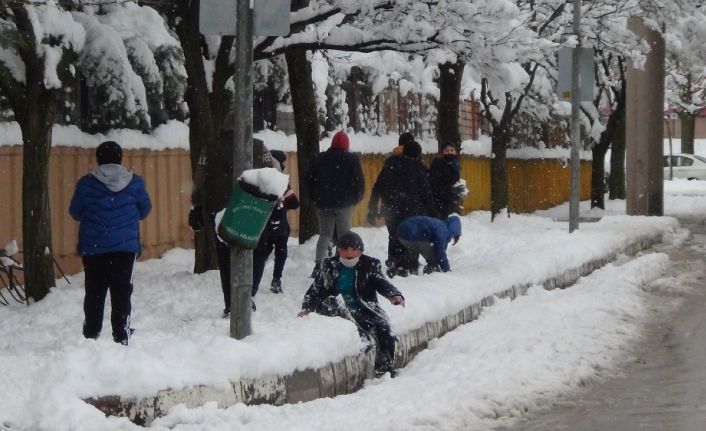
column 109, row 204
column 435, row 231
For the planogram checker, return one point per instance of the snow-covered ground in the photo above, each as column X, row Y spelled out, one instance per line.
column 518, row 355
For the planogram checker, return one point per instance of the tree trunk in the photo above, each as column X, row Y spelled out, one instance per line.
column 598, row 177
column 616, row 180
column 36, row 120
column 307, row 129
column 688, row 129
column 614, row 127
column 202, row 133
column 448, row 107
column 498, row 174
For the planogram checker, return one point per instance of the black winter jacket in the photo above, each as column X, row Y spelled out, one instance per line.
column 369, row 281
column 403, row 187
column 335, row 179
column 442, row 177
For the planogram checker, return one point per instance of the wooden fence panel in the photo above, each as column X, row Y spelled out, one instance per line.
column 532, row 184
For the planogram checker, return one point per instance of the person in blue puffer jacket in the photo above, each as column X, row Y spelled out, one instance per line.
column 109, row 203
column 430, row 237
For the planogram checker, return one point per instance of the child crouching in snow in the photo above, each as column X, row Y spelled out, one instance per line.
column 357, row 278
column 275, row 235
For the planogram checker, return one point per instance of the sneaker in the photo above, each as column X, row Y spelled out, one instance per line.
column 382, row 371
column 276, row 286
column 226, row 313
column 391, row 272
column 124, row 341
column 252, row 305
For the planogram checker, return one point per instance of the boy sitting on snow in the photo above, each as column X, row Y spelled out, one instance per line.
column 357, row 278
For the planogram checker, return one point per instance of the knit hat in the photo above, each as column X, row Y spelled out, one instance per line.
column 350, row 239
column 412, row 149
column 340, row 141
column 280, row 156
column 109, row 152
column 405, row 138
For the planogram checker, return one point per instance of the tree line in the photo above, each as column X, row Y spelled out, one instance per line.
column 137, row 64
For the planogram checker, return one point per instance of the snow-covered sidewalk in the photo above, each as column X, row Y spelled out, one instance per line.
column 181, row 340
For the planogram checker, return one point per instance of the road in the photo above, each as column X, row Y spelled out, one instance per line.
column 664, row 388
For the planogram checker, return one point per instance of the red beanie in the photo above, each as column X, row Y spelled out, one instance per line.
column 340, row 141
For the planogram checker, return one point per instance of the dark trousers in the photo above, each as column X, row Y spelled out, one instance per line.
column 223, row 254
column 370, row 325
column 425, row 248
column 377, row 326
column 108, row 272
column 262, row 253
column 397, row 256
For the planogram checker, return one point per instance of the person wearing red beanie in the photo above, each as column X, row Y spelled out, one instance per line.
column 336, row 185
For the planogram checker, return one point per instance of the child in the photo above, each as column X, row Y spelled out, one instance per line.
column 275, row 235
column 358, row 279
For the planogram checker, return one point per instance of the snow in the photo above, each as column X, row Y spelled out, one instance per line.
column 515, row 355
column 171, row 135
column 268, row 180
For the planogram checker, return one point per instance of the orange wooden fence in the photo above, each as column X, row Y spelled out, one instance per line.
column 532, row 185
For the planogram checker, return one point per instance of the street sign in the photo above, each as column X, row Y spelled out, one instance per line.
column 271, row 17
column 586, row 74
column 218, row 17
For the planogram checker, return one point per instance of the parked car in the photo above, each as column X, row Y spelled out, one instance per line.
column 687, row 166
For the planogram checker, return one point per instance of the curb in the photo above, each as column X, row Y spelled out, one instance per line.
column 343, row 377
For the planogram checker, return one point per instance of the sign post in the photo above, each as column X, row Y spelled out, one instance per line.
column 236, row 18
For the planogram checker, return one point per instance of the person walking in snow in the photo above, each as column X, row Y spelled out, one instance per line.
column 444, row 176
column 207, row 200
column 430, row 237
column 336, row 183
column 358, row 279
column 275, row 235
column 109, row 203
column 403, row 189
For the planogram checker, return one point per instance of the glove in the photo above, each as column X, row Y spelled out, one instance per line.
column 459, row 189
column 372, row 218
column 196, row 218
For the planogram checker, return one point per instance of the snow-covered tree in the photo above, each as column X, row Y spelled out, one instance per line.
column 686, row 73
column 38, row 44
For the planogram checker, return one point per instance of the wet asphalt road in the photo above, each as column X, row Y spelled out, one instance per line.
column 664, row 387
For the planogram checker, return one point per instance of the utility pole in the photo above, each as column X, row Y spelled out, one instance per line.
column 574, row 198
column 644, row 133
column 240, row 259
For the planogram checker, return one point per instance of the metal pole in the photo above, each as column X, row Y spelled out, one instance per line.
column 575, row 125
column 241, row 260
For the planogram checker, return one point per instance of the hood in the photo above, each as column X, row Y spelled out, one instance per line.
column 453, row 224
column 115, row 177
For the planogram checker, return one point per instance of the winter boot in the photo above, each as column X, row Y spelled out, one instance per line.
column 403, row 272
column 428, row 269
column 276, row 285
